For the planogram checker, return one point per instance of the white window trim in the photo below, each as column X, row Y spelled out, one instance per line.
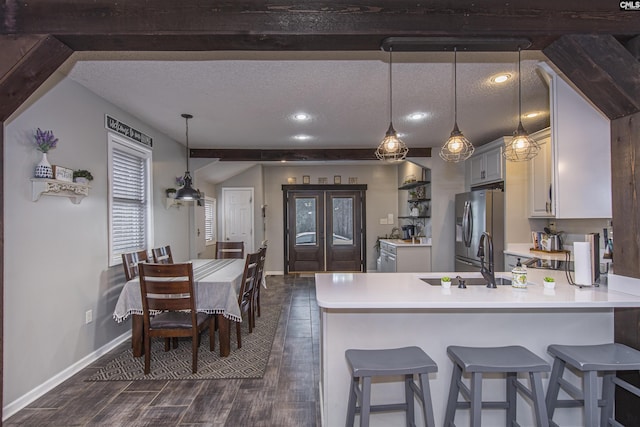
column 136, row 149
column 215, row 217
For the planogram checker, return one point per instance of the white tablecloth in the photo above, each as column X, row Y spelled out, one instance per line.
column 217, row 283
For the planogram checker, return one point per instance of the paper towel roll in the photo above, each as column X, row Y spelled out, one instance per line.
column 582, row 263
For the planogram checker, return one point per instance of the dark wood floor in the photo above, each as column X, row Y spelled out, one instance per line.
column 286, row 396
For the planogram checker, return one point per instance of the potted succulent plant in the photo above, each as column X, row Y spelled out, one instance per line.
column 549, row 282
column 82, row 176
column 445, row 282
column 171, row 193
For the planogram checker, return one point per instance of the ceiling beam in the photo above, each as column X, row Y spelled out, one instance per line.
column 27, row 61
column 231, row 155
column 290, row 25
column 602, row 68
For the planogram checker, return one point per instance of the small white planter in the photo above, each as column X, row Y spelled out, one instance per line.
column 445, row 284
column 81, row 180
column 549, row 285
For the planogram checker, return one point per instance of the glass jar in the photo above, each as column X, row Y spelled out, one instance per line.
column 519, row 276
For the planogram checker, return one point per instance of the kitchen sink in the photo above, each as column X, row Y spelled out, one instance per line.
column 469, row 281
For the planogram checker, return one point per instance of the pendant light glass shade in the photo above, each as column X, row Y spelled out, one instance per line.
column 187, row 192
column 521, row 147
column 457, row 148
column 391, row 149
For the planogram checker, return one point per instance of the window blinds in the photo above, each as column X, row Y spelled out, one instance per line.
column 209, row 220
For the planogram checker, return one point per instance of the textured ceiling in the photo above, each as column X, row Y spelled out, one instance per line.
column 246, row 99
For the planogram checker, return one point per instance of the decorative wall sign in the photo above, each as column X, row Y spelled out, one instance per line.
column 62, row 174
column 126, row 130
column 291, row 180
column 353, row 180
column 306, row 179
column 337, row 179
column 322, row 180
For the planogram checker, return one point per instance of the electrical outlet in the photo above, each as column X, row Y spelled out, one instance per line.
column 88, row 316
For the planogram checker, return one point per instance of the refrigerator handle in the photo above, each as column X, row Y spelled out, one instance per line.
column 466, row 224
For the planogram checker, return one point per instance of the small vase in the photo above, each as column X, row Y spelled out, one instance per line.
column 43, row 169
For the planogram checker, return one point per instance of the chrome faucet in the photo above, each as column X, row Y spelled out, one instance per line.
column 487, row 273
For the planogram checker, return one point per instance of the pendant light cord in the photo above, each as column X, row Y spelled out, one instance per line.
column 186, row 121
column 519, row 86
column 455, row 85
column 390, row 85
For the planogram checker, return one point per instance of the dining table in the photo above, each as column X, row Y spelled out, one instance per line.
column 216, row 287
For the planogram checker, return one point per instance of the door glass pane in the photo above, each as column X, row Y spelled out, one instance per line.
column 306, row 223
column 342, row 211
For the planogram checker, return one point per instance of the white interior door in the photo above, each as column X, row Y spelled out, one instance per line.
column 238, row 216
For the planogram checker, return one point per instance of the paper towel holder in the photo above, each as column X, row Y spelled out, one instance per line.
column 593, row 241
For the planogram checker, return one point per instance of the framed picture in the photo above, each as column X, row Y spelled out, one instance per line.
column 337, row 179
column 291, row 180
column 353, row 180
column 62, row 174
column 306, row 179
column 322, row 180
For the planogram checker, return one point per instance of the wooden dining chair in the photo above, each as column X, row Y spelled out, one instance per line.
column 245, row 296
column 162, row 255
column 169, row 309
column 230, row 250
column 258, row 284
column 130, row 263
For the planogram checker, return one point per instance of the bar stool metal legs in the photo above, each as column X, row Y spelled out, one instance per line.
column 509, row 360
column 590, row 360
column 406, row 361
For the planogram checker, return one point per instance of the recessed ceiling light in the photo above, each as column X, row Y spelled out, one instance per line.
column 302, row 137
column 500, row 78
column 531, row 114
column 301, row 117
column 417, row 116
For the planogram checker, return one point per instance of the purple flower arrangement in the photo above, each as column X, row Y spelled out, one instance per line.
column 45, row 140
column 180, row 181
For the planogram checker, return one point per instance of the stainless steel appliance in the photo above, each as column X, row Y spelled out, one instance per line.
column 477, row 212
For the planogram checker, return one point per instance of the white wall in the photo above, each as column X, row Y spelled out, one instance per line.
column 382, row 197
column 56, row 253
column 447, row 179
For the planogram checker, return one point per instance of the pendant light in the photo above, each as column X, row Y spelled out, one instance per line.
column 391, row 149
column 457, row 148
column 187, row 192
column 521, row 147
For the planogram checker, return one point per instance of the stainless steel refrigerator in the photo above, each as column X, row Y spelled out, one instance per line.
column 477, row 212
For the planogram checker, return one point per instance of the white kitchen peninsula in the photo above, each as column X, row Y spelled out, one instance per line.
column 372, row 310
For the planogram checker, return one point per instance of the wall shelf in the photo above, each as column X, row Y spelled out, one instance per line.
column 171, row 202
column 411, row 185
column 53, row 187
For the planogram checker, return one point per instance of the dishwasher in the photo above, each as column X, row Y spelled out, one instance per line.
column 387, row 258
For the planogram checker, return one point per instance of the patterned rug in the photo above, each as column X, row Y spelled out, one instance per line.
column 250, row 361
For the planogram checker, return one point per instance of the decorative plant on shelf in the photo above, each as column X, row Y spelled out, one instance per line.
column 171, row 192
column 179, row 181
column 44, row 141
column 82, row 176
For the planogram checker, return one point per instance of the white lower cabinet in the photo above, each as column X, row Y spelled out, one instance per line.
column 404, row 258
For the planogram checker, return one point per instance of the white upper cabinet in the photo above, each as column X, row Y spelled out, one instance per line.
column 580, row 155
column 487, row 164
column 541, row 178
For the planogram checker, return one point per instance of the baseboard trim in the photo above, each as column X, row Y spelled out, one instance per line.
column 56, row 380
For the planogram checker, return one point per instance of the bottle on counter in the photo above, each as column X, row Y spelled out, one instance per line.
column 519, row 276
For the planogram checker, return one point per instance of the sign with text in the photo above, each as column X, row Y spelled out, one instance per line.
column 126, row 130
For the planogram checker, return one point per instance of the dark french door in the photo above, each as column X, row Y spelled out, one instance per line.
column 324, row 228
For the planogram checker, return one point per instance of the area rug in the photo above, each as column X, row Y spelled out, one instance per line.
column 250, row 361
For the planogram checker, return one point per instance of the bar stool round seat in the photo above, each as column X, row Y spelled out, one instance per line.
column 590, row 360
column 406, row 361
column 510, row 360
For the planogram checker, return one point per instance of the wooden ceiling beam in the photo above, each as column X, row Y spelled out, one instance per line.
column 232, row 155
column 602, row 68
column 320, row 25
column 27, row 61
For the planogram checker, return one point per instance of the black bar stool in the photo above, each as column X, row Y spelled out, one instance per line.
column 591, row 360
column 407, row 361
column 509, row 360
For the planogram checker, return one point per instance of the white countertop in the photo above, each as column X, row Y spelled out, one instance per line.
column 402, row 243
column 407, row 291
column 524, row 250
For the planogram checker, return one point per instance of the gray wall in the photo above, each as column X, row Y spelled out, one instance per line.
column 56, row 253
